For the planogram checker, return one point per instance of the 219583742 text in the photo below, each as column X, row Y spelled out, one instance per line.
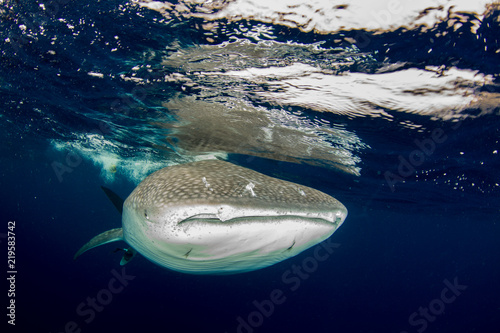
column 11, row 272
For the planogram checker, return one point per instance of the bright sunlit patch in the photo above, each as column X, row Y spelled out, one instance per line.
column 325, row 16
column 441, row 95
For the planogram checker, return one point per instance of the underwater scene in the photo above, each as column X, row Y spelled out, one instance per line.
column 250, row 166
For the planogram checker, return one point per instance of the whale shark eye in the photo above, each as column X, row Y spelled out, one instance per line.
column 146, row 215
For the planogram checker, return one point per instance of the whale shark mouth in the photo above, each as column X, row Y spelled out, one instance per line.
column 204, row 241
column 212, row 218
column 206, row 235
column 231, row 213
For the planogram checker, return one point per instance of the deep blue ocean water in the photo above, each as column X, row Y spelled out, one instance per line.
column 400, row 124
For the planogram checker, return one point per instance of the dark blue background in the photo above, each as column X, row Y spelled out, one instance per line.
column 388, row 264
column 395, row 248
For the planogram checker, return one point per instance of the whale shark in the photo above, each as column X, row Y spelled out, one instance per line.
column 215, row 217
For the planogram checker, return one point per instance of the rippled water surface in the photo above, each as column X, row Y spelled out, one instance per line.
column 392, row 107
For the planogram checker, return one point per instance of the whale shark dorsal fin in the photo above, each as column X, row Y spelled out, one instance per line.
column 109, row 236
column 127, row 256
column 114, row 198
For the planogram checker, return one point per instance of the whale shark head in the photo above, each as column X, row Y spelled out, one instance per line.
column 213, row 217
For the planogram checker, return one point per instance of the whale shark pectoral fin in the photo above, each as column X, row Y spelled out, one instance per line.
column 127, row 256
column 109, row 236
